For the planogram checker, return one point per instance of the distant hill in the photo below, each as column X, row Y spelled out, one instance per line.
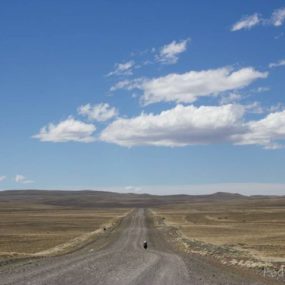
column 90, row 198
column 226, row 196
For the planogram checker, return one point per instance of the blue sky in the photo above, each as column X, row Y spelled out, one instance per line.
column 132, row 94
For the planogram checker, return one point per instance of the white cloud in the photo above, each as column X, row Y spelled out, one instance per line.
column 100, row 112
column 132, row 189
column 276, row 108
column 2, row 178
column 231, row 98
column 22, row 179
column 278, row 17
column 266, row 132
column 180, row 126
column 190, row 125
column 261, row 89
column 277, row 64
column 128, row 84
column 247, row 22
column 168, row 54
column 189, row 86
column 125, row 68
column 255, row 108
column 67, row 130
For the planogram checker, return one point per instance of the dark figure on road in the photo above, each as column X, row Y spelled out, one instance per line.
column 145, row 244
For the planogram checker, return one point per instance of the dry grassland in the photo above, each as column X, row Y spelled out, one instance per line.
column 40, row 230
column 246, row 232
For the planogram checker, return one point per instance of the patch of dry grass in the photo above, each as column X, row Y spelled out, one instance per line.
column 253, row 227
column 29, row 229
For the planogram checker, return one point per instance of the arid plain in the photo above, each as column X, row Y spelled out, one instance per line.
column 244, row 231
column 231, row 229
column 33, row 225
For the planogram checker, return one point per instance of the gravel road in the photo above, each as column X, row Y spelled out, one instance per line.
column 122, row 260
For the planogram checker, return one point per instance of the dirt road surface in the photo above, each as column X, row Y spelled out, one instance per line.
column 121, row 259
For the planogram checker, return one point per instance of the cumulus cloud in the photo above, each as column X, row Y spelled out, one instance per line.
column 190, row 125
column 22, row 179
column 277, row 64
column 180, row 126
column 168, row 54
column 125, row 68
column 266, row 132
column 66, row 131
column 100, row 112
column 2, row 178
column 188, row 87
column 278, row 17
